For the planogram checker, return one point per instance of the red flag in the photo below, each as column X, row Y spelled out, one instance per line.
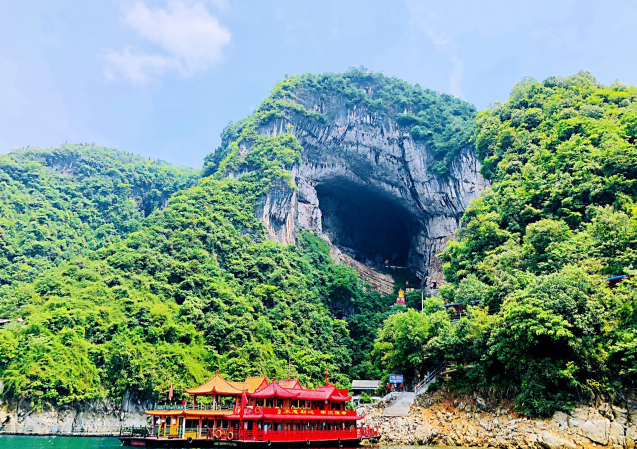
column 244, row 403
column 170, row 393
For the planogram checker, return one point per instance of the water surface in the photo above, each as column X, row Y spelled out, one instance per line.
column 33, row 442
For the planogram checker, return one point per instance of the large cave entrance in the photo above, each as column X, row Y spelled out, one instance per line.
column 366, row 223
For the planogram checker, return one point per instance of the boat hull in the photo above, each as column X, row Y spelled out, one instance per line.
column 201, row 443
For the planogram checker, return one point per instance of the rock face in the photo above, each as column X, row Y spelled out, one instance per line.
column 98, row 417
column 367, row 187
column 440, row 419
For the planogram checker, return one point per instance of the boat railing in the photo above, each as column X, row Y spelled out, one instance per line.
column 303, row 435
column 134, row 431
column 295, row 435
column 258, row 435
column 180, row 406
column 287, row 411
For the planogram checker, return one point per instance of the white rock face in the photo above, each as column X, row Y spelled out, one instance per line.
column 98, row 417
column 377, row 156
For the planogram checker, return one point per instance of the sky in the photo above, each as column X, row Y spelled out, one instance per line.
column 162, row 78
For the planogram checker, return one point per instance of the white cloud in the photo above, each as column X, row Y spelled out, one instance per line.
column 188, row 39
column 137, row 67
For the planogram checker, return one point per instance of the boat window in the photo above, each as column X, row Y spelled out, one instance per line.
column 279, row 403
column 269, row 403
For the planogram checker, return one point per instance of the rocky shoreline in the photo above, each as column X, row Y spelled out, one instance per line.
column 435, row 419
column 94, row 418
column 439, row 419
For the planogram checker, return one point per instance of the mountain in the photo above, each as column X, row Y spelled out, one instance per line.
column 122, row 292
column 533, row 249
column 383, row 171
column 57, row 203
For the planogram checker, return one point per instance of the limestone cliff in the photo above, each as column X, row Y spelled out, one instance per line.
column 91, row 418
column 368, row 187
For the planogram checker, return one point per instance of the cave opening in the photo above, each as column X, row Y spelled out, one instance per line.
column 366, row 223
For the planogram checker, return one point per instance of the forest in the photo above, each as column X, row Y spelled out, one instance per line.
column 129, row 274
column 533, row 249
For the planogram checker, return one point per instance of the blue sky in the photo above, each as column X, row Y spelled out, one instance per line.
column 162, row 78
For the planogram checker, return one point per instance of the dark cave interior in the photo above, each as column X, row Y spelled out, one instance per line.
column 363, row 220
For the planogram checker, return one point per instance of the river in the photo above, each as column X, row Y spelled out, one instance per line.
column 30, row 442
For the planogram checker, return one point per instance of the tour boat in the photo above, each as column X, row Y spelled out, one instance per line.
column 254, row 413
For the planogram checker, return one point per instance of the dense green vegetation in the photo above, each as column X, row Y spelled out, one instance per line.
column 56, row 203
column 560, row 216
column 195, row 287
column 443, row 122
column 124, row 290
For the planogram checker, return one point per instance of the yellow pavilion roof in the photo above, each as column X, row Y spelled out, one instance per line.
column 217, row 385
column 253, row 384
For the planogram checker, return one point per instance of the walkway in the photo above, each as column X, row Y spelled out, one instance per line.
column 401, row 405
column 404, row 400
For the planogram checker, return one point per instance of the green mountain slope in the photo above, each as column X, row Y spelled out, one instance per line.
column 56, row 203
column 560, row 216
column 197, row 286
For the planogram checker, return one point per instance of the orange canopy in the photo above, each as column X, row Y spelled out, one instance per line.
column 252, row 384
column 217, row 385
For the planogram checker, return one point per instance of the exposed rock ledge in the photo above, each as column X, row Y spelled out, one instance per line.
column 98, row 417
column 441, row 420
column 365, row 184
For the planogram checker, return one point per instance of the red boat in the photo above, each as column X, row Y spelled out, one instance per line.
column 254, row 413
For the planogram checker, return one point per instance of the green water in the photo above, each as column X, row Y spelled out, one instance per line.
column 29, row 442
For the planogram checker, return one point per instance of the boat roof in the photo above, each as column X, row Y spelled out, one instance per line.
column 291, row 383
column 252, row 384
column 323, row 393
column 259, row 387
column 217, row 385
column 274, row 390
